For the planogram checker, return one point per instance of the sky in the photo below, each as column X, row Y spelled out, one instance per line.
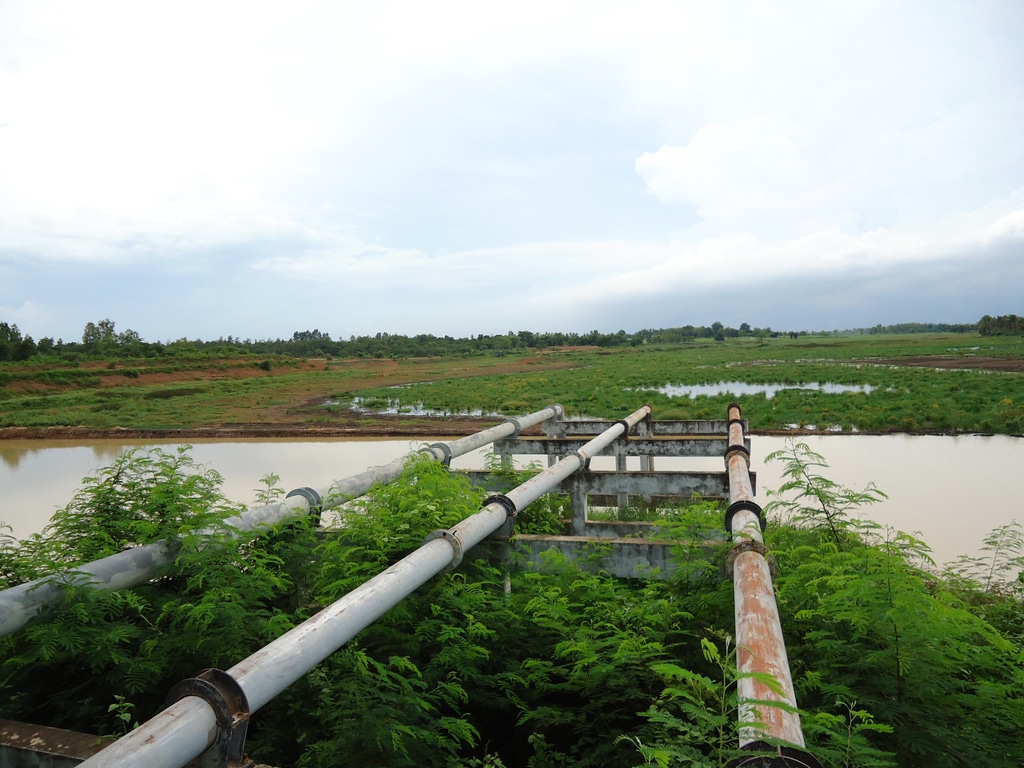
column 206, row 169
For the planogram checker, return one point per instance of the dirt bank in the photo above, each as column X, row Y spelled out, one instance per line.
column 956, row 362
column 348, row 425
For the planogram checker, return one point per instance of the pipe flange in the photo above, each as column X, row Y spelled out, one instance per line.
column 774, row 756
column 734, row 421
column 446, row 452
column 625, row 428
column 508, row 527
column 316, row 504
column 749, row 546
column 230, row 707
column 515, row 423
column 737, row 448
column 738, row 506
column 584, row 460
column 504, row 501
column 453, row 539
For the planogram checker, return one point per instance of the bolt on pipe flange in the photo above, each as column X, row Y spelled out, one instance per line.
column 456, row 543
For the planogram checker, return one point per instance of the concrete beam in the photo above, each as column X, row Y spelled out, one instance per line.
column 677, row 485
column 634, row 446
column 622, row 558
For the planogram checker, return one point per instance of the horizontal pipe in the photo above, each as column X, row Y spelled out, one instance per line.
column 131, row 567
column 187, row 728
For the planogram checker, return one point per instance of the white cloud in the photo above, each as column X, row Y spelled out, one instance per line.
column 729, row 168
column 554, row 154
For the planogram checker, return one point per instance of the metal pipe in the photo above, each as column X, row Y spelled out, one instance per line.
column 760, row 646
column 188, row 727
column 134, row 566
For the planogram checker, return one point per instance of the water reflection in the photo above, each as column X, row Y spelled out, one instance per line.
column 953, row 490
column 738, row 388
column 390, row 406
column 14, row 452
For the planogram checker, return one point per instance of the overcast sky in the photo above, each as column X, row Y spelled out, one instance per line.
column 205, row 169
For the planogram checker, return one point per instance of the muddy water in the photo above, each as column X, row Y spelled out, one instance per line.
column 952, row 490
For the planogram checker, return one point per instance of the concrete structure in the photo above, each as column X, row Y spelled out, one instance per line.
column 209, row 714
column 631, row 549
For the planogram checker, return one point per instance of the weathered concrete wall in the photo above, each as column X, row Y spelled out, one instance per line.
column 36, row 746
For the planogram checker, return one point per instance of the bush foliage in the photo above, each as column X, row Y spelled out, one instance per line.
column 496, row 665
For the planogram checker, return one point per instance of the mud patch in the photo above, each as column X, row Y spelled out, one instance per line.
column 955, row 363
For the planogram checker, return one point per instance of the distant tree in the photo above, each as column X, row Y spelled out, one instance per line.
column 1003, row 325
column 14, row 346
column 99, row 334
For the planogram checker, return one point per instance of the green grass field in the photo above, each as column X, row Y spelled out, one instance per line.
column 917, row 383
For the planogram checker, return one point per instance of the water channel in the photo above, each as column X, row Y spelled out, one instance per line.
column 952, row 490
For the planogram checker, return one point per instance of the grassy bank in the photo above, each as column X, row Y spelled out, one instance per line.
column 918, row 383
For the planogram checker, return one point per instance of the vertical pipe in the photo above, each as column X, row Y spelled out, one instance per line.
column 760, row 647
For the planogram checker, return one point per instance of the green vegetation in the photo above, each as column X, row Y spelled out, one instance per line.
column 894, row 664
column 919, row 383
column 904, row 398
column 1001, row 325
column 100, row 341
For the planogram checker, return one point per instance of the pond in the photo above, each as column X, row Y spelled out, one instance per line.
column 742, row 388
column 953, row 490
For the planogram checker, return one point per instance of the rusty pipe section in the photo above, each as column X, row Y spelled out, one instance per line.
column 760, row 646
column 18, row 605
column 187, row 728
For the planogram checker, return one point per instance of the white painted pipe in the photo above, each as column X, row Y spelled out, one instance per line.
column 188, row 727
column 18, row 605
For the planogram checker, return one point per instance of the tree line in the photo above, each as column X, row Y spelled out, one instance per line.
column 1003, row 325
column 101, row 340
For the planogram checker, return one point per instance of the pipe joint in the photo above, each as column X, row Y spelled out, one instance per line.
column 749, row 546
column 774, row 756
column 446, row 452
column 316, row 504
column 626, row 426
column 734, row 450
column 231, row 708
column 739, row 506
column 509, row 526
column 584, row 460
column 515, row 423
column 451, row 536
